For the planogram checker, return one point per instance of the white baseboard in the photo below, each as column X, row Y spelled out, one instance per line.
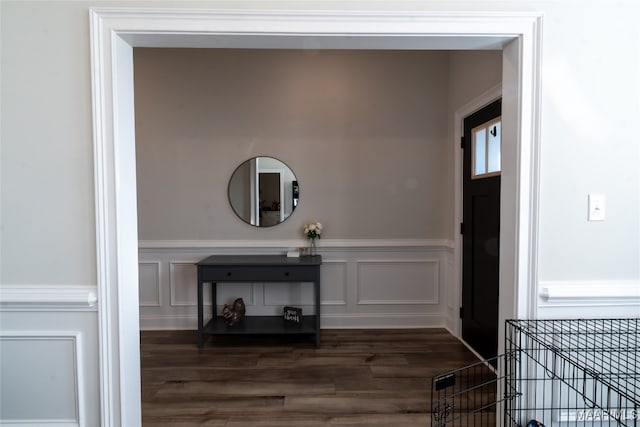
column 381, row 321
column 170, row 322
column 329, row 321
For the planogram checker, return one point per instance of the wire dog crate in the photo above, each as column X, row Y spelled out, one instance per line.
column 553, row 373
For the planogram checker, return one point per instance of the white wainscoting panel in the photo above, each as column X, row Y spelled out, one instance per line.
column 281, row 294
column 364, row 283
column 44, row 369
column 49, row 363
column 451, row 290
column 149, row 284
column 384, row 282
column 182, row 279
column 251, row 294
column 334, row 282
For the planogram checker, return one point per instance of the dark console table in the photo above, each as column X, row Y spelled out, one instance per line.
column 258, row 268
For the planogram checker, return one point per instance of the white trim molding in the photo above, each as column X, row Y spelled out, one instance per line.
column 589, row 299
column 116, row 31
column 589, row 293
column 48, row 298
column 286, row 244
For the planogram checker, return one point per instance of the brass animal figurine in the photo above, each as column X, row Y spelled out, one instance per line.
column 233, row 314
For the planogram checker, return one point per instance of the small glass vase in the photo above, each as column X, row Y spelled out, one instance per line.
column 313, row 247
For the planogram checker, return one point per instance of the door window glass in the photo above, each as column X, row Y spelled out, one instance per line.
column 486, row 149
column 480, row 152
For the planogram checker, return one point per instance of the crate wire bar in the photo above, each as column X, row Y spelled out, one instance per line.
column 467, row 396
column 576, row 372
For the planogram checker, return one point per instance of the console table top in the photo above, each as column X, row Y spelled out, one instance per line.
column 246, row 260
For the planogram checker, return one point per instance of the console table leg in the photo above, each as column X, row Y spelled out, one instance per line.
column 200, row 316
column 317, row 301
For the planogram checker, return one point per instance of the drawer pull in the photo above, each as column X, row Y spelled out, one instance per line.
column 228, row 273
column 286, row 273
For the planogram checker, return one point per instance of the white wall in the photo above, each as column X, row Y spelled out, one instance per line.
column 47, row 160
column 590, row 106
column 48, row 318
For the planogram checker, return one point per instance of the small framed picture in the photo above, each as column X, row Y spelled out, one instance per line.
column 293, row 315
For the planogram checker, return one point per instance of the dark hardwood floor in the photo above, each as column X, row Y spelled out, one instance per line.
column 356, row 378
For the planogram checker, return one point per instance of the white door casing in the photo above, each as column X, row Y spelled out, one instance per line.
column 114, row 34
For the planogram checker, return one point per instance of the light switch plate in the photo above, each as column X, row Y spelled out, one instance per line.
column 596, row 207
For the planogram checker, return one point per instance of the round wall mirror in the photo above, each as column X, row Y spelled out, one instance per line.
column 263, row 191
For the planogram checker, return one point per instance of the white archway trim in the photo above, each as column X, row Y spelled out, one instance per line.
column 114, row 33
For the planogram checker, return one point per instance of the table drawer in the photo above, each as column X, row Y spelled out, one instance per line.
column 258, row 274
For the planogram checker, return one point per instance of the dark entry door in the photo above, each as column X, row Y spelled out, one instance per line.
column 481, row 229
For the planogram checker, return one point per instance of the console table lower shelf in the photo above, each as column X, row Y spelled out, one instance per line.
column 259, row 325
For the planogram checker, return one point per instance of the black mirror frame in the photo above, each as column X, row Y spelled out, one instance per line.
column 264, row 216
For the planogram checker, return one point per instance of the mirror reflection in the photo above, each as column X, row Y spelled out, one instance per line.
column 263, row 191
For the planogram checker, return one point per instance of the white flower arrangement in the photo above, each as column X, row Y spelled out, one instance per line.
column 313, row 230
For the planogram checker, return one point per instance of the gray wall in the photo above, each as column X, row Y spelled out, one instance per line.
column 364, row 131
